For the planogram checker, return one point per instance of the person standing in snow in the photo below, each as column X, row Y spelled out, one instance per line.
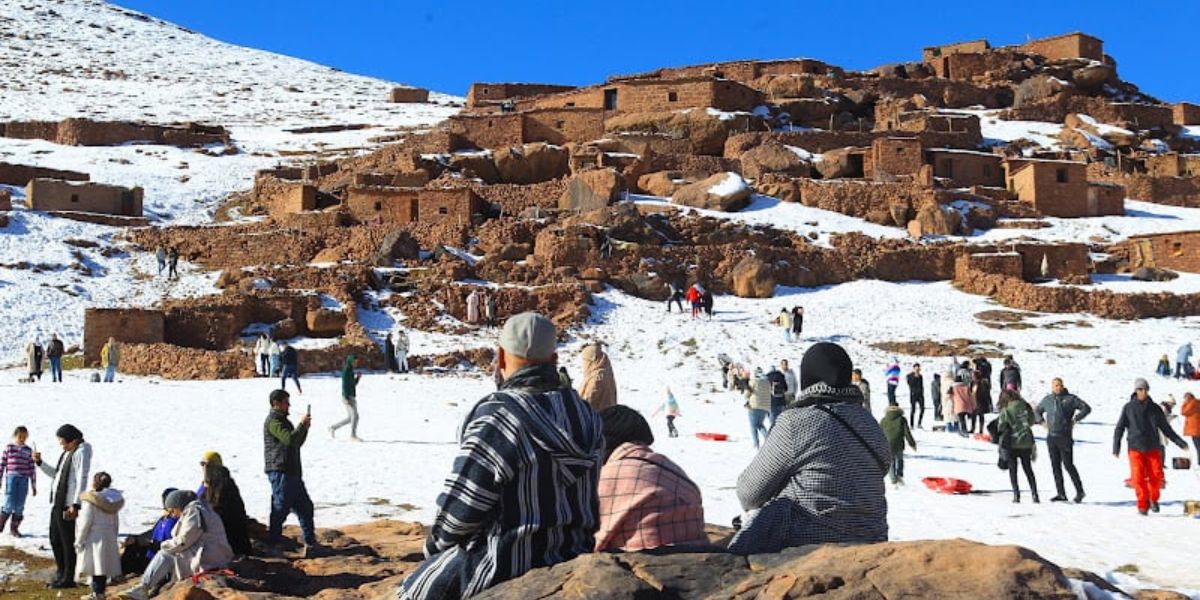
column 897, row 431
column 389, row 353
column 797, row 321
column 273, row 351
column 19, row 475
column 674, row 294
column 864, row 386
column 789, row 377
column 33, row 359
column 54, row 352
column 281, row 450
column 173, row 264
column 963, row 403
column 1015, row 431
column 1059, row 411
column 778, row 393
column 499, row 514
column 1183, row 356
column 96, row 534
column 110, row 359
column 706, row 301
column 489, row 309
column 1142, row 419
column 161, row 256
column 473, row 307
column 599, row 388
column 693, row 297
column 402, row 350
column 947, row 387
column 982, row 388
column 350, row 381
column 289, row 359
column 784, row 320
column 262, row 350
column 671, row 406
column 68, row 481
column 1010, row 375
column 893, row 380
column 1191, row 421
column 916, row 397
column 758, row 405
column 935, row 392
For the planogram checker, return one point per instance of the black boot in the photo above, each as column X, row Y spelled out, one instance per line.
column 1016, row 497
column 1036, row 500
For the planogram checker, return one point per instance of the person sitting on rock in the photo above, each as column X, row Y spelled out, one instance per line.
column 646, row 501
column 221, row 493
column 138, row 550
column 522, row 490
column 198, row 543
column 819, row 476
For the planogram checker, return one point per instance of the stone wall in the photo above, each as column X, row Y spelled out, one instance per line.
column 21, row 175
column 1069, row 45
column 85, row 132
column 1129, row 115
column 481, row 93
column 1175, row 191
column 485, row 131
column 409, row 94
column 1186, row 113
column 57, row 195
column 874, row 201
column 132, row 325
column 965, row 168
column 563, row 125
column 1175, row 251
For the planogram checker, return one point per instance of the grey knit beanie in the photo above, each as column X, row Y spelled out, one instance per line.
column 180, row 498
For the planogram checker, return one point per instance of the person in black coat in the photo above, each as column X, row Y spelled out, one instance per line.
column 778, row 393
column 290, row 362
column 1010, row 375
column 1142, row 420
column 389, row 354
column 916, row 396
column 221, row 494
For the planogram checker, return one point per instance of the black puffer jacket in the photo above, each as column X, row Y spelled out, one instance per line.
column 1143, row 421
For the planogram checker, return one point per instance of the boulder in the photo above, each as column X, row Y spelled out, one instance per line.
column 1153, row 274
column 837, row 163
column 787, row 190
column 513, row 252
column 772, row 157
column 475, row 165
column 934, row 219
column 398, row 244
column 1038, row 89
column 1113, row 135
column 724, row 191
column 591, row 190
column 703, row 132
column 899, row 212
column 574, row 246
column 663, row 184
column 1093, row 77
column 642, row 285
column 532, row 163
column 752, row 278
column 325, row 322
column 285, row 329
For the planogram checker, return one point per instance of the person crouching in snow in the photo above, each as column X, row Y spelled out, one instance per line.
column 1164, row 366
column 198, row 543
column 672, row 407
column 897, row 431
column 96, row 534
column 646, row 500
column 1142, row 419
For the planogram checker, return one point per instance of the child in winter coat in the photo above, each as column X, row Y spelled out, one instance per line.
column 99, row 554
column 19, row 475
column 273, row 358
column 1164, row 366
column 897, row 431
column 672, row 408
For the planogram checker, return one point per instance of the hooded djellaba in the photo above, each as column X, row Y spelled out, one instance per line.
column 599, row 385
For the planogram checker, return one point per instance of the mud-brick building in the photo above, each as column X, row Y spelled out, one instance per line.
column 56, row 195
column 134, row 325
column 1067, row 45
column 1178, row 251
column 454, row 205
column 1060, row 188
column 893, row 156
column 1173, row 164
column 933, row 54
column 380, row 204
column 483, row 94
column 966, row 168
column 1186, row 113
column 654, row 94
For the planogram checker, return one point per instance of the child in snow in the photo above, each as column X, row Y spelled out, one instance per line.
column 897, row 431
column 672, row 408
column 1164, row 366
column 893, row 379
column 99, row 553
column 19, row 475
column 273, row 357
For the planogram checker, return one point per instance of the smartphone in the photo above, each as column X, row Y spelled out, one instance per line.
column 308, row 411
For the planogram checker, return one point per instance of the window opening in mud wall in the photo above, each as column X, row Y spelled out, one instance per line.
column 1061, row 175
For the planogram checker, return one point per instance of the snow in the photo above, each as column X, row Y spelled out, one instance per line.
column 1103, row 128
column 732, row 184
column 997, row 131
column 94, row 59
column 1186, row 283
column 410, row 421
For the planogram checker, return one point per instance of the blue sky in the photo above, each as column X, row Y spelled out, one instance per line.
column 446, row 45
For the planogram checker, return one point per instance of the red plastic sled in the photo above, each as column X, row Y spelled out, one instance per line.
column 713, row 437
column 983, row 437
column 947, row 485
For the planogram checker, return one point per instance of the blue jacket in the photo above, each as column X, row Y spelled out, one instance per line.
column 162, row 533
column 1184, row 353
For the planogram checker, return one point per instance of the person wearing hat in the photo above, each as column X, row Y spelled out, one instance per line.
column 1141, row 420
column 350, row 381
column 599, row 387
column 221, row 493
column 70, row 481
column 281, row 452
column 758, row 406
column 1059, row 411
column 198, row 543
column 646, row 500
column 522, row 490
column 819, row 476
column 138, row 550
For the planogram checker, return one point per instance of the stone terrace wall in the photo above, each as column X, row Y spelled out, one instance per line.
column 126, row 325
column 21, row 175
column 85, row 132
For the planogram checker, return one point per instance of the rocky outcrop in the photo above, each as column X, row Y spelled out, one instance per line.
column 752, row 278
column 531, row 163
column 695, row 130
column 370, row 560
column 662, row 183
column 723, row 191
column 591, row 190
column 772, row 157
column 933, row 219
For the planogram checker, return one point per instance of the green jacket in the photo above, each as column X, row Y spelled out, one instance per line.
column 1018, row 418
column 896, row 429
column 349, row 379
column 281, row 444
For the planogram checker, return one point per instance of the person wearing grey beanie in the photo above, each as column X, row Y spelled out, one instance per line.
column 1142, row 419
column 179, row 499
column 198, row 543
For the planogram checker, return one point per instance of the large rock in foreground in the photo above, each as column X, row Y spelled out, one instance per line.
column 723, row 191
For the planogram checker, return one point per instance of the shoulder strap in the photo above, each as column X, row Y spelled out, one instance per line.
column 883, row 466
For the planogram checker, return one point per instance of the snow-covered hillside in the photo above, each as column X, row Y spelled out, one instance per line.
column 86, row 58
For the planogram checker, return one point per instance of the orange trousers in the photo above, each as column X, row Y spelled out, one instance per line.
column 1146, row 475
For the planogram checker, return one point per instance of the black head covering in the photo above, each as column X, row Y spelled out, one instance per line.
column 623, row 424
column 826, row 363
column 69, row 433
column 167, row 492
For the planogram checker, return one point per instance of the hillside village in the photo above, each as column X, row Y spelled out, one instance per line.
column 555, row 189
column 976, row 199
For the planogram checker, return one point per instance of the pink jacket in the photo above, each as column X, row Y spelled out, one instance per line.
column 963, row 401
column 647, row 501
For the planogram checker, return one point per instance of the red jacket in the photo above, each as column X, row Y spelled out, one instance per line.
column 647, row 501
column 1191, row 417
column 693, row 295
